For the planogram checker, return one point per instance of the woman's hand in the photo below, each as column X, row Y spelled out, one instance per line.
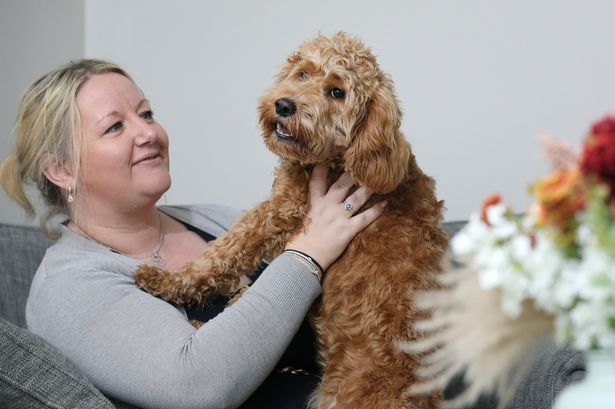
column 332, row 221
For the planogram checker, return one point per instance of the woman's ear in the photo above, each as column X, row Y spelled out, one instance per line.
column 378, row 155
column 57, row 173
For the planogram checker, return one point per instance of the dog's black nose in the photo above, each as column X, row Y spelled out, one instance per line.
column 285, row 107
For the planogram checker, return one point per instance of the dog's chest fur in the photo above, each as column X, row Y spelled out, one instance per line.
column 402, row 240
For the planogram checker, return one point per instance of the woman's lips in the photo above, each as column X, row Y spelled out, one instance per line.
column 148, row 160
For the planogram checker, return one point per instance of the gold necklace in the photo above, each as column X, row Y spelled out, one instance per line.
column 155, row 257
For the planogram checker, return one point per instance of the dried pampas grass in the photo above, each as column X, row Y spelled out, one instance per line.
column 467, row 332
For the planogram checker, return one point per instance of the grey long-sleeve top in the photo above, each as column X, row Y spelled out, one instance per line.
column 142, row 350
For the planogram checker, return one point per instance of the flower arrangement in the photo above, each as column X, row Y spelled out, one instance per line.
column 547, row 272
column 561, row 253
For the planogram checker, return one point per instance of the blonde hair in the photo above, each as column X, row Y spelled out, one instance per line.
column 47, row 130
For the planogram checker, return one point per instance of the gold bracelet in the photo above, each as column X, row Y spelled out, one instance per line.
column 307, row 261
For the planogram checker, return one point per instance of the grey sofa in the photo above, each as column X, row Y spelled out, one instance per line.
column 33, row 374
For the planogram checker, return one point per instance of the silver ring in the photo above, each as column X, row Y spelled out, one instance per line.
column 348, row 207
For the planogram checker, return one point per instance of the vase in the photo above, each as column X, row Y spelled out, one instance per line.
column 597, row 390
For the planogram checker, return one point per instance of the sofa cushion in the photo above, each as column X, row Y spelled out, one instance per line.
column 33, row 374
column 21, row 251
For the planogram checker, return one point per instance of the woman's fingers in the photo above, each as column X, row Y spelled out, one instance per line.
column 366, row 217
column 340, row 188
column 337, row 193
column 318, row 181
column 357, row 199
column 332, row 220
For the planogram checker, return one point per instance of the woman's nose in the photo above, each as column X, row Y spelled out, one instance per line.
column 146, row 133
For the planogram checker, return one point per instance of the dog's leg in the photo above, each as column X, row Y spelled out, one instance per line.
column 363, row 366
column 366, row 310
column 259, row 234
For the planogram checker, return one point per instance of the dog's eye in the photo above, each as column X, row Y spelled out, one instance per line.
column 302, row 75
column 337, row 93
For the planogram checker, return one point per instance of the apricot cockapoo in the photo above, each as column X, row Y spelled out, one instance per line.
column 332, row 104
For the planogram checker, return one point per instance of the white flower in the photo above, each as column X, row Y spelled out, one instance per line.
column 565, row 291
column 521, row 247
column 522, row 263
column 496, row 214
column 470, row 238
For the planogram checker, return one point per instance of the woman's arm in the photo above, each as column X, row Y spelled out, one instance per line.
column 142, row 350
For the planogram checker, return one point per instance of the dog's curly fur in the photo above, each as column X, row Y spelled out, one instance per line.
column 366, row 308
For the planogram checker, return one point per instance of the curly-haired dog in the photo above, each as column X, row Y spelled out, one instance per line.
column 332, row 104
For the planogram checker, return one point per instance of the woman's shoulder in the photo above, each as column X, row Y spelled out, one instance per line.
column 212, row 218
column 73, row 273
column 73, row 253
column 73, row 263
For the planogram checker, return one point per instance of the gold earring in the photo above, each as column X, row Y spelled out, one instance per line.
column 71, row 196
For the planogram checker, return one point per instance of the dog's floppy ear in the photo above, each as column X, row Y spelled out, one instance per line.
column 378, row 155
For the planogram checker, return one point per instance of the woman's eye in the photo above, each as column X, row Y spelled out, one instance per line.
column 337, row 93
column 114, row 128
column 147, row 115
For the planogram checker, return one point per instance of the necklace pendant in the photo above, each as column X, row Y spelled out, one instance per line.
column 157, row 260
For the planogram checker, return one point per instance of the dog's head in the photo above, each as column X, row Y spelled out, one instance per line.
column 332, row 103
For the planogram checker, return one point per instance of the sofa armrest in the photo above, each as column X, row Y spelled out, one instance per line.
column 34, row 374
column 554, row 368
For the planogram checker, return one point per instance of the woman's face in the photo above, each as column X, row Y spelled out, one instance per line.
column 124, row 151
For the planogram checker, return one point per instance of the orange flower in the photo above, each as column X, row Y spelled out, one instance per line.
column 559, row 197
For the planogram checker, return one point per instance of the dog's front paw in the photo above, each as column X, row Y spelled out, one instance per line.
column 156, row 282
column 178, row 287
column 194, row 284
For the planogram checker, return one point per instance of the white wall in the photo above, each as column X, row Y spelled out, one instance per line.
column 35, row 36
column 478, row 81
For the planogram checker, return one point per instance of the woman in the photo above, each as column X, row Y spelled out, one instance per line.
column 87, row 138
